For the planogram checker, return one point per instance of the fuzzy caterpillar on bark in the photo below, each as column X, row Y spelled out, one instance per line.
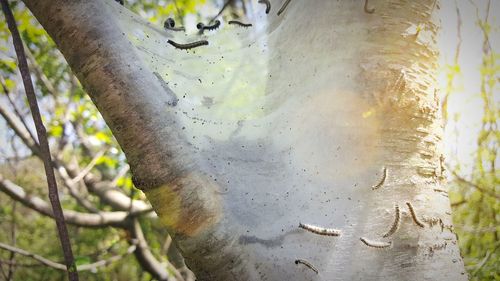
column 382, row 180
column 375, row 244
column 395, row 223
column 414, row 215
column 320, row 230
column 308, row 264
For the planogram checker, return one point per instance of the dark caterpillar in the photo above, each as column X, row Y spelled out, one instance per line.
column 119, row 2
column 169, row 24
column 188, row 45
column 268, row 5
column 214, row 26
column 368, row 10
column 282, row 9
column 239, row 23
column 308, row 264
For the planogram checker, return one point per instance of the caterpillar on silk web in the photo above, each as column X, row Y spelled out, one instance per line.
column 308, row 264
column 239, row 23
column 282, row 9
column 320, row 230
column 188, row 45
column 268, row 5
column 375, row 244
column 214, row 26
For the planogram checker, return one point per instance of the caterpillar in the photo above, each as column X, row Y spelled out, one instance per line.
column 268, row 5
column 119, row 2
column 188, row 45
column 239, row 23
column 308, row 264
column 382, row 180
column 170, row 25
column 414, row 215
column 368, row 10
column 395, row 224
column 375, row 244
column 432, row 221
column 282, row 9
column 214, row 26
column 320, row 230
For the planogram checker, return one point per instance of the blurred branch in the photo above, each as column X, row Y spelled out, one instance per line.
column 483, row 190
column 44, row 143
column 461, row 202
column 23, row 133
column 485, row 260
column 72, row 188
column 14, row 107
column 102, row 219
column 20, row 130
column 13, row 228
column 146, row 258
column 123, row 171
column 113, row 197
column 59, row 266
column 89, row 167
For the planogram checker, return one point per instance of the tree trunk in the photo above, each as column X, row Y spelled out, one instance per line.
column 325, row 115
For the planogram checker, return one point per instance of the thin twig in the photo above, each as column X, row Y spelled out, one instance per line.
column 44, row 145
column 13, row 228
column 483, row 190
column 59, row 266
column 89, row 167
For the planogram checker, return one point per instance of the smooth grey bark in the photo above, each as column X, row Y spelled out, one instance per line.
column 335, row 95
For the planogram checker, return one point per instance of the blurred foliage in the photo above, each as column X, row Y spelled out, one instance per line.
column 476, row 198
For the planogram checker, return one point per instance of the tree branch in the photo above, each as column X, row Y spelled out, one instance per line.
column 105, row 192
column 102, row 219
column 483, row 190
column 44, row 145
column 146, row 258
column 59, row 266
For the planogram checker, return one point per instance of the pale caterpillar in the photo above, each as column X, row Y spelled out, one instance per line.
column 268, row 5
column 368, row 10
column 395, row 224
column 414, row 215
column 320, row 230
column 188, row 45
column 308, row 264
column 375, row 244
column 239, row 23
column 382, row 180
column 282, row 9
